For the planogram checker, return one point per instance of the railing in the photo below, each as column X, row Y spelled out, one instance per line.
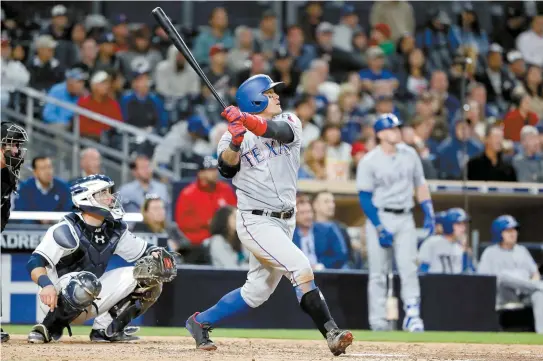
column 127, row 132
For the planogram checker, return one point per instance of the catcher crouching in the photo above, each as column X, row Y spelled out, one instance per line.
column 70, row 262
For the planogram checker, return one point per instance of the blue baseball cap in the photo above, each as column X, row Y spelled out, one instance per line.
column 347, row 10
column 198, row 125
column 120, row 19
column 106, row 38
column 77, row 73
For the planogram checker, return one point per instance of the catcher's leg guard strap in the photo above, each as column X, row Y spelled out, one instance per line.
column 123, row 314
column 315, row 306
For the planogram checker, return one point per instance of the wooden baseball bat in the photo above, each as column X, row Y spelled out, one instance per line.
column 179, row 43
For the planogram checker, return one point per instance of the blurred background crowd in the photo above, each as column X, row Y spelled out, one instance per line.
column 470, row 97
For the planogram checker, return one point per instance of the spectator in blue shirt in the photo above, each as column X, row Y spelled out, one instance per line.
column 375, row 78
column 301, row 53
column 143, row 108
column 450, row 156
column 217, row 32
column 321, row 242
column 68, row 91
column 43, row 192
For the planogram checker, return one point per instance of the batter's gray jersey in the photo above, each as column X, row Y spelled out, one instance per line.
column 441, row 255
column 517, row 261
column 391, row 178
column 268, row 175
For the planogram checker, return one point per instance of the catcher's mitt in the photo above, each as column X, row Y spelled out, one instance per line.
column 152, row 270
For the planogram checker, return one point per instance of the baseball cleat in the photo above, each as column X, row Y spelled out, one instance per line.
column 4, row 336
column 100, row 336
column 39, row 334
column 339, row 340
column 413, row 324
column 200, row 333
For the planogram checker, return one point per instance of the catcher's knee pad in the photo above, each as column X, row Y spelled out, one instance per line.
column 81, row 290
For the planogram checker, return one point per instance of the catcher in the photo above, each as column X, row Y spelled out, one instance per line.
column 70, row 262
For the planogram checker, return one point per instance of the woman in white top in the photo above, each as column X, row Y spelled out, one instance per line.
column 225, row 247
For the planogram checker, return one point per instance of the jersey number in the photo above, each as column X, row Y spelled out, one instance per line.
column 446, row 263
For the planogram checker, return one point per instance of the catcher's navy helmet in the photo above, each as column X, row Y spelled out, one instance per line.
column 500, row 224
column 250, row 97
column 386, row 121
column 453, row 215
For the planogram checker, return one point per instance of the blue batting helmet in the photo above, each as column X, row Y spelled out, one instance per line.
column 500, row 224
column 452, row 216
column 440, row 216
column 386, row 121
column 250, row 97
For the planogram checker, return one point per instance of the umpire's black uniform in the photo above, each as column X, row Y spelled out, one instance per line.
column 9, row 182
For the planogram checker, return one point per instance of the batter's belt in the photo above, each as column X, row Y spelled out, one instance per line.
column 281, row 215
column 397, row 211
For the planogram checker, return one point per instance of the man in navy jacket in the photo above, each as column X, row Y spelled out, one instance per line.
column 321, row 242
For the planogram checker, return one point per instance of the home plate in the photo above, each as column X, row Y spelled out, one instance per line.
column 373, row 355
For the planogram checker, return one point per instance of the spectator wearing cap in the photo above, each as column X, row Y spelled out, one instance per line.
column 174, row 78
column 217, row 73
column 380, row 36
column 140, row 56
column 283, row 70
column 59, row 28
column 533, row 85
column 398, row 15
column 120, row 32
column 68, row 91
column 45, row 70
column 509, row 28
column 198, row 202
column 516, row 65
column 338, row 153
column 216, row 33
column 447, row 104
column 14, row 73
column 519, row 116
column 309, row 19
column 468, row 31
column 238, row 57
column 530, row 42
column 107, row 59
column 496, row 79
column 267, row 36
column 437, row 41
column 343, row 32
column 301, row 53
column 453, row 152
column 98, row 101
column 491, row 164
column 528, row 163
column 375, row 75
column 141, row 107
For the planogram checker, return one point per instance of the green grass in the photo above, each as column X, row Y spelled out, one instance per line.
column 431, row 336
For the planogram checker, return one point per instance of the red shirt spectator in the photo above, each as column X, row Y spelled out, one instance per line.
column 199, row 201
column 100, row 102
column 517, row 118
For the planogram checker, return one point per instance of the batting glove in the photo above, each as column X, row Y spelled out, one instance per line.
column 238, row 131
column 232, row 114
column 429, row 224
column 385, row 237
column 253, row 123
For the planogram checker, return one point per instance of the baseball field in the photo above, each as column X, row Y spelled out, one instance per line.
column 164, row 344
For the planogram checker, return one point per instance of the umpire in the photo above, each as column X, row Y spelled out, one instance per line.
column 13, row 139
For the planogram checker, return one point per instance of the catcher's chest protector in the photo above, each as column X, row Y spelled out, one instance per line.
column 95, row 248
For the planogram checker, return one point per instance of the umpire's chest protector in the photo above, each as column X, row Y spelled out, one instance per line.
column 94, row 248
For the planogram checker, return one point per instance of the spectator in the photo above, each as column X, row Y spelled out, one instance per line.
column 106, row 58
column 121, row 33
column 314, row 161
column 528, row 164
column 99, row 102
column 43, row 192
column 516, row 65
column 217, row 72
column 358, row 151
column 453, row 153
column 321, row 242
column 225, row 248
column 268, row 36
column 79, row 34
column 175, row 78
column 90, row 162
column 530, row 42
column 304, row 108
column 14, row 73
column 217, row 32
column 375, row 75
column 45, row 70
column 380, row 36
column 198, row 202
column 533, row 85
column 360, row 46
column 133, row 193
column 301, row 53
column 398, row 15
column 259, row 65
column 338, row 153
column 468, row 32
column 413, row 78
column 348, row 24
column 486, row 113
column 437, row 41
column 160, row 40
column 516, row 272
column 89, row 53
column 238, row 57
column 141, row 55
column 68, row 91
column 510, row 28
column 447, row 104
column 490, row 165
column 496, row 80
column 352, row 117
column 310, row 82
column 284, row 71
column 141, row 107
column 400, row 59
column 59, row 28
column 411, row 138
column 518, row 117
column 117, row 85
column 309, row 19
column 427, row 125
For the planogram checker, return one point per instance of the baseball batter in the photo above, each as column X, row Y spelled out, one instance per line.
column 261, row 152
column 386, row 179
column 447, row 253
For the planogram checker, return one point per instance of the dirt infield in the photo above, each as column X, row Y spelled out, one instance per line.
column 78, row 348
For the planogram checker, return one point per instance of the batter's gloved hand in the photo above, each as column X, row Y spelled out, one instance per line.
column 232, row 114
column 429, row 225
column 238, row 131
column 253, row 123
column 385, row 237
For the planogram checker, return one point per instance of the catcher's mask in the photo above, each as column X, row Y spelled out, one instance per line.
column 13, row 139
column 92, row 194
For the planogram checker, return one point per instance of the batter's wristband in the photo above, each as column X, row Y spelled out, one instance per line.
column 234, row 147
column 44, row 281
column 257, row 125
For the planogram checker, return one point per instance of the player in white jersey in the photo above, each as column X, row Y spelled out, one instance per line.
column 262, row 155
column 447, row 253
column 386, row 179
